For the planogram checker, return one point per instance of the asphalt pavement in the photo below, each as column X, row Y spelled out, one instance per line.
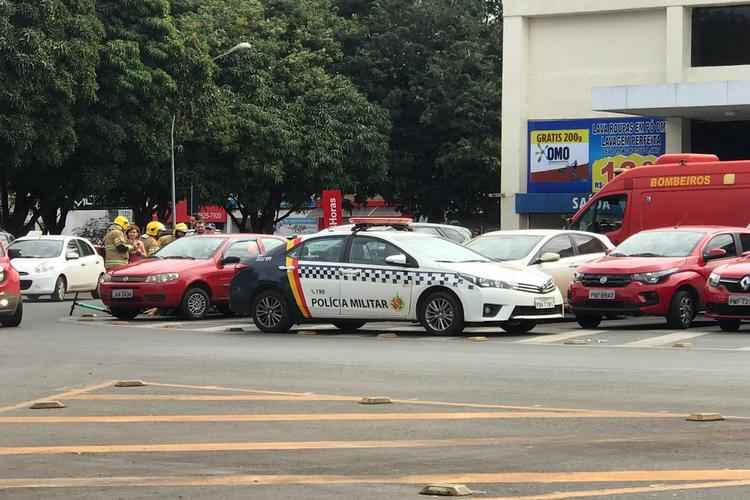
column 228, row 412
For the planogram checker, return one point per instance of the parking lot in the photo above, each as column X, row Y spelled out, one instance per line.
column 227, row 412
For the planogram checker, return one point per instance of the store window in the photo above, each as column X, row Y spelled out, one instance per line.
column 721, row 35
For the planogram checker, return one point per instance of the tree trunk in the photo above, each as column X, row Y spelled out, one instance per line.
column 4, row 205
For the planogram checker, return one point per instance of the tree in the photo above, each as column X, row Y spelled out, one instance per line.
column 48, row 56
column 148, row 72
column 436, row 66
column 296, row 126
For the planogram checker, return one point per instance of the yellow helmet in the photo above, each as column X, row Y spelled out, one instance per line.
column 153, row 228
column 181, row 228
column 122, row 221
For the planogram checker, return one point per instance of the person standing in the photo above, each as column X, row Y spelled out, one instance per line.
column 133, row 233
column 116, row 247
column 150, row 241
column 180, row 230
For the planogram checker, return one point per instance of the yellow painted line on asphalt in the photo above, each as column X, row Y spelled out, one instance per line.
column 657, row 488
column 324, row 397
column 206, row 397
column 63, row 395
column 315, row 417
column 707, row 478
column 253, row 446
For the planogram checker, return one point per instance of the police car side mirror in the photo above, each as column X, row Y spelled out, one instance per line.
column 228, row 261
column 396, row 260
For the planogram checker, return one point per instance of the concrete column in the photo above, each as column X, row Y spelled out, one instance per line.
column 678, row 62
column 514, row 126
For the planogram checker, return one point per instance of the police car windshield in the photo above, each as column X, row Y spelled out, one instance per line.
column 191, row 247
column 659, row 244
column 35, row 249
column 441, row 250
column 505, row 246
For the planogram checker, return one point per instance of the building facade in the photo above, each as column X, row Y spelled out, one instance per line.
column 593, row 86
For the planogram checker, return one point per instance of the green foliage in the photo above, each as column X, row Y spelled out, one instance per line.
column 436, row 66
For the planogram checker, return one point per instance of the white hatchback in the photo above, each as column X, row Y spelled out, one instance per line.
column 557, row 253
column 55, row 265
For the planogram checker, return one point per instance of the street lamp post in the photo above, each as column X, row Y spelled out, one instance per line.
column 239, row 46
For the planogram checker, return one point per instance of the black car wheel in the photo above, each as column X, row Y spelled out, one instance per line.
column 195, row 304
column 442, row 314
column 271, row 312
column 588, row 321
column 682, row 310
column 15, row 319
column 61, row 288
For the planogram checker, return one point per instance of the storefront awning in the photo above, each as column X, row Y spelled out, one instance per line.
column 727, row 100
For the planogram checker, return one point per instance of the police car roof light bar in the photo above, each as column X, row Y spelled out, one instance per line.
column 362, row 223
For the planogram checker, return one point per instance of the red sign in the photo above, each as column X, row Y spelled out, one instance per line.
column 332, row 213
column 210, row 213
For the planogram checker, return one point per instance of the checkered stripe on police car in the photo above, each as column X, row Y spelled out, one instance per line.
column 389, row 276
column 320, row 272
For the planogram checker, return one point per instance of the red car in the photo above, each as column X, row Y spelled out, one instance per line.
column 11, row 302
column 190, row 275
column 661, row 272
column 728, row 292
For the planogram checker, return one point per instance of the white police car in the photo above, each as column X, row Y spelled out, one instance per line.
column 350, row 279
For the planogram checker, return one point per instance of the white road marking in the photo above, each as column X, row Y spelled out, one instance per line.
column 550, row 339
column 665, row 339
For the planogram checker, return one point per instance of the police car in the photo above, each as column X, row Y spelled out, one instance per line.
column 350, row 279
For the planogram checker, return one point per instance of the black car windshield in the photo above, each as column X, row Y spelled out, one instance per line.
column 35, row 249
column 440, row 250
column 659, row 244
column 191, row 247
column 505, row 246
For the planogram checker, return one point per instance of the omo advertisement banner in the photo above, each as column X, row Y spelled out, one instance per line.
column 580, row 156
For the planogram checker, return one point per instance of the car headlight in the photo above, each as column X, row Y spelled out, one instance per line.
column 107, row 278
column 714, row 280
column 653, row 278
column 45, row 267
column 162, row 278
column 2, row 274
column 485, row 283
column 577, row 276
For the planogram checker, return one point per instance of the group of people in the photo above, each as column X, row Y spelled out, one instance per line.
column 123, row 243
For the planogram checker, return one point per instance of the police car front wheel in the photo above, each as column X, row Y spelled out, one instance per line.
column 442, row 314
column 271, row 312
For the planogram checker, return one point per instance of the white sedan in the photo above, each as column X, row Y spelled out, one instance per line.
column 557, row 253
column 350, row 279
column 55, row 265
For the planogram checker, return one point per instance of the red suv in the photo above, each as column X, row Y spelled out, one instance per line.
column 190, row 275
column 11, row 302
column 728, row 292
column 661, row 272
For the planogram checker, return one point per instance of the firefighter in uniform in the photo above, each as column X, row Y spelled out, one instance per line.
column 150, row 241
column 116, row 246
column 180, row 230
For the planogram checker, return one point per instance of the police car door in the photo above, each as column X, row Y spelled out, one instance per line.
column 319, row 271
column 372, row 288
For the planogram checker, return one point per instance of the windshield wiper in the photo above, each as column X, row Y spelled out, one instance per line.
column 446, row 261
column 645, row 254
column 473, row 260
column 618, row 254
column 183, row 257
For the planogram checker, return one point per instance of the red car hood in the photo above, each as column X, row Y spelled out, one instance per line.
column 738, row 271
column 630, row 265
column 156, row 266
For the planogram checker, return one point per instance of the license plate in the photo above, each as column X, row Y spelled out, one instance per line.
column 601, row 294
column 544, row 303
column 739, row 300
column 122, row 294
